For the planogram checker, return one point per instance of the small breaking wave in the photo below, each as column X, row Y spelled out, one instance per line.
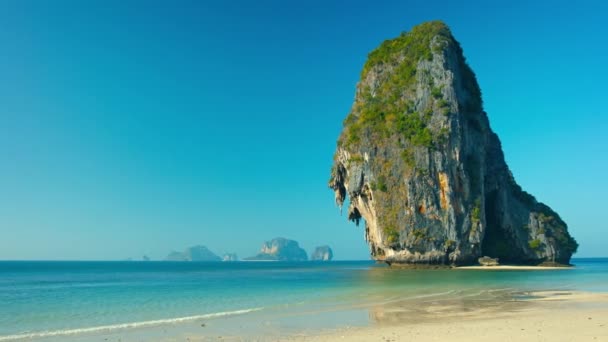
column 107, row 328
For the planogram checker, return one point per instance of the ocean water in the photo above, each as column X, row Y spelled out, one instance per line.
column 48, row 299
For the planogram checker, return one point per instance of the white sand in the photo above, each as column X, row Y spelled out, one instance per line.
column 509, row 267
column 557, row 316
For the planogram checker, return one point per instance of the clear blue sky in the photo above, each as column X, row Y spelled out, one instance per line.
column 141, row 127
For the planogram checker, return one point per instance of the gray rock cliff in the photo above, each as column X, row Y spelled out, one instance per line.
column 419, row 163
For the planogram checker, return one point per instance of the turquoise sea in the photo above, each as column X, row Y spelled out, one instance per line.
column 49, row 300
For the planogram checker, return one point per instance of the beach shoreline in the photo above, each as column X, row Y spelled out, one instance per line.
column 537, row 316
column 553, row 316
column 303, row 302
column 514, row 267
column 533, row 316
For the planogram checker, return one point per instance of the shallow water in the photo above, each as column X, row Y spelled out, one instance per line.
column 82, row 299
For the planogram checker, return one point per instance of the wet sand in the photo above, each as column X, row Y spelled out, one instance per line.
column 503, row 316
column 550, row 316
column 513, row 267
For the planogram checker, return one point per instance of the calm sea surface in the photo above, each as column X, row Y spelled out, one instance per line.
column 45, row 299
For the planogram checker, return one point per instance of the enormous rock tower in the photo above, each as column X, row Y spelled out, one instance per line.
column 421, row 165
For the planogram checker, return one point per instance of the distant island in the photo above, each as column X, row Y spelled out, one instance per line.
column 421, row 165
column 280, row 249
column 277, row 249
column 322, row 253
column 195, row 253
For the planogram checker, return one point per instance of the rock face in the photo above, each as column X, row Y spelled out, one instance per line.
column 487, row 261
column 280, row 249
column 421, row 165
column 195, row 253
column 322, row 253
column 230, row 257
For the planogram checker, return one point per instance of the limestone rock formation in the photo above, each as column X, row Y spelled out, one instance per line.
column 280, row 249
column 195, row 253
column 420, row 164
column 322, row 253
column 487, row 261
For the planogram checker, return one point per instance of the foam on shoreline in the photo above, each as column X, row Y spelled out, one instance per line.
column 109, row 328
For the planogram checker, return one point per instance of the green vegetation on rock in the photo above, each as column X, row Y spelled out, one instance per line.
column 392, row 235
column 476, row 212
column 380, row 184
column 420, row 234
column 535, row 244
column 386, row 111
column 449, row 244
column 356, row 158
column 416, row 43
column 436, row 92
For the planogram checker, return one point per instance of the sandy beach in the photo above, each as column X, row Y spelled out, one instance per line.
column 545, row 316
column 554, row 316
column 513, row 267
